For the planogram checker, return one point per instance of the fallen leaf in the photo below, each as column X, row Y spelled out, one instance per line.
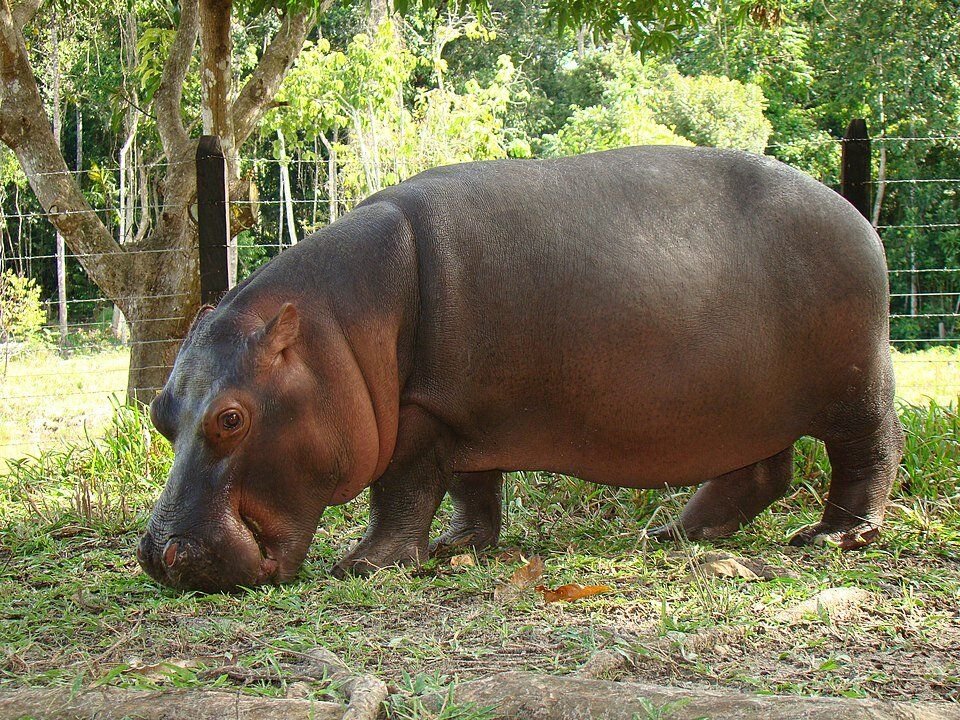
column 161, row 670
column 523, row 577
column 721, row 564
column 460, row 561
column 510, row 555
column 571, row 592
column 723, row 567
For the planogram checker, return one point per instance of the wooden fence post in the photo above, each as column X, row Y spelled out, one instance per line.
column 855, row 166
column 213, row 219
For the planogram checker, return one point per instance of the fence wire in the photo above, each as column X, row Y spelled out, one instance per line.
column 924, row 311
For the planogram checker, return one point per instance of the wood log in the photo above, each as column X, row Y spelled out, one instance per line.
column 117, row 703
column 528, row 696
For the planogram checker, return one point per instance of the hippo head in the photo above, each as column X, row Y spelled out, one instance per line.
column 255, row 455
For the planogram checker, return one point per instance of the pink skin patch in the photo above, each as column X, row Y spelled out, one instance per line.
column 170, row 554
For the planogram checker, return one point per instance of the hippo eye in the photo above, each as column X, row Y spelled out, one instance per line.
column 230, row 421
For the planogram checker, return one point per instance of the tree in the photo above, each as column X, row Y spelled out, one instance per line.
column 154, row 281
column 644, row 103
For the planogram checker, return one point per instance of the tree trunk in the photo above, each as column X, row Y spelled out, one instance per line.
column 128, row 170
column 216, row 44
column 286, row 196
column 379, row 9
column 914, row 285
column 158, row 320
column 79, row 167
column 155, row 281
column 881, row 185
column 332, row 184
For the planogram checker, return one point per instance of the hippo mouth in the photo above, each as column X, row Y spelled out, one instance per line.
column 240, row 557
column 269, row 565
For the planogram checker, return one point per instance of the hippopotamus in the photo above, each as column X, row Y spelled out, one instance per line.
column 642, row 317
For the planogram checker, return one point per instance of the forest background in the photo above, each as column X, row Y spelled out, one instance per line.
column 359, row 98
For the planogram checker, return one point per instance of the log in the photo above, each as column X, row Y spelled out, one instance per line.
column 116, row 704
column 528, row 696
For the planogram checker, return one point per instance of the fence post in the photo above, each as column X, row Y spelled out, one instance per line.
column 855, row 166
column 213, row 219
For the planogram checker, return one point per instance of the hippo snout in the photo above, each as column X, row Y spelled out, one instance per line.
column 186, row 563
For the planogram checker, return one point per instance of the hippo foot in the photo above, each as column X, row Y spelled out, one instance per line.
column 476, row 538
column 851, row 538
column 366, row 561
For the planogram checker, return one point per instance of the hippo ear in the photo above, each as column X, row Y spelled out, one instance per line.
column 278, row 334
column 197, row 321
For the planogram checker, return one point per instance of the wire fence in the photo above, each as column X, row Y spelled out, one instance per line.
column 73, row 379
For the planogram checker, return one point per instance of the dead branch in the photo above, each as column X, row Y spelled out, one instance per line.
column 366, row 693
column 117, row 703
column 528, row 696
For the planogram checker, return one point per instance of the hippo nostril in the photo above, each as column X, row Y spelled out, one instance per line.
column 170, row 553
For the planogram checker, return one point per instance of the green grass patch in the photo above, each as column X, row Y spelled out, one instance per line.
column 76, row 610
column 48, row 401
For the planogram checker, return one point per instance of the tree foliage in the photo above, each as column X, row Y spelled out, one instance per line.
column 368, row 104
column 21, row 310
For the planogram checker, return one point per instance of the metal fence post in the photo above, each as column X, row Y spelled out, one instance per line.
column 213, row 219
column 855, row 166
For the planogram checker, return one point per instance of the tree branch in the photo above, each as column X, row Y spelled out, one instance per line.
column 25, row 129
column 262, row 85
column 167, row 99
column 24, row 12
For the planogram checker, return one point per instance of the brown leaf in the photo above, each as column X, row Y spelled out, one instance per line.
column 724, row 567
column 461, row 561
column 161, row 670
column 721, row 564
column 571, row 592
column 523, row 578
column 510, row 555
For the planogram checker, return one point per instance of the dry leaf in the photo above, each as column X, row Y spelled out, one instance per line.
column 720, row 564
column 724, row 567
column 523, row 577
column 510, row 555
column 460, row 561
column 571, row 592
column 161, row 670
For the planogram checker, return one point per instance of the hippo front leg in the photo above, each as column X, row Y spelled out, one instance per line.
column 402, row 505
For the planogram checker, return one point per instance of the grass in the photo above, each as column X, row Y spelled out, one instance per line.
column 931, row 374
column 75, row 609
column 46, row 400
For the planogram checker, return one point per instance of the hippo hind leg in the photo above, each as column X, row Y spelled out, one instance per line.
column 726, row 503
column 476, row 512
column 864, row 469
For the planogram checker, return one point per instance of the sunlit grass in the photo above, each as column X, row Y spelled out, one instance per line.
column 46, row 400
column 76, row 609
column 932, row 374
